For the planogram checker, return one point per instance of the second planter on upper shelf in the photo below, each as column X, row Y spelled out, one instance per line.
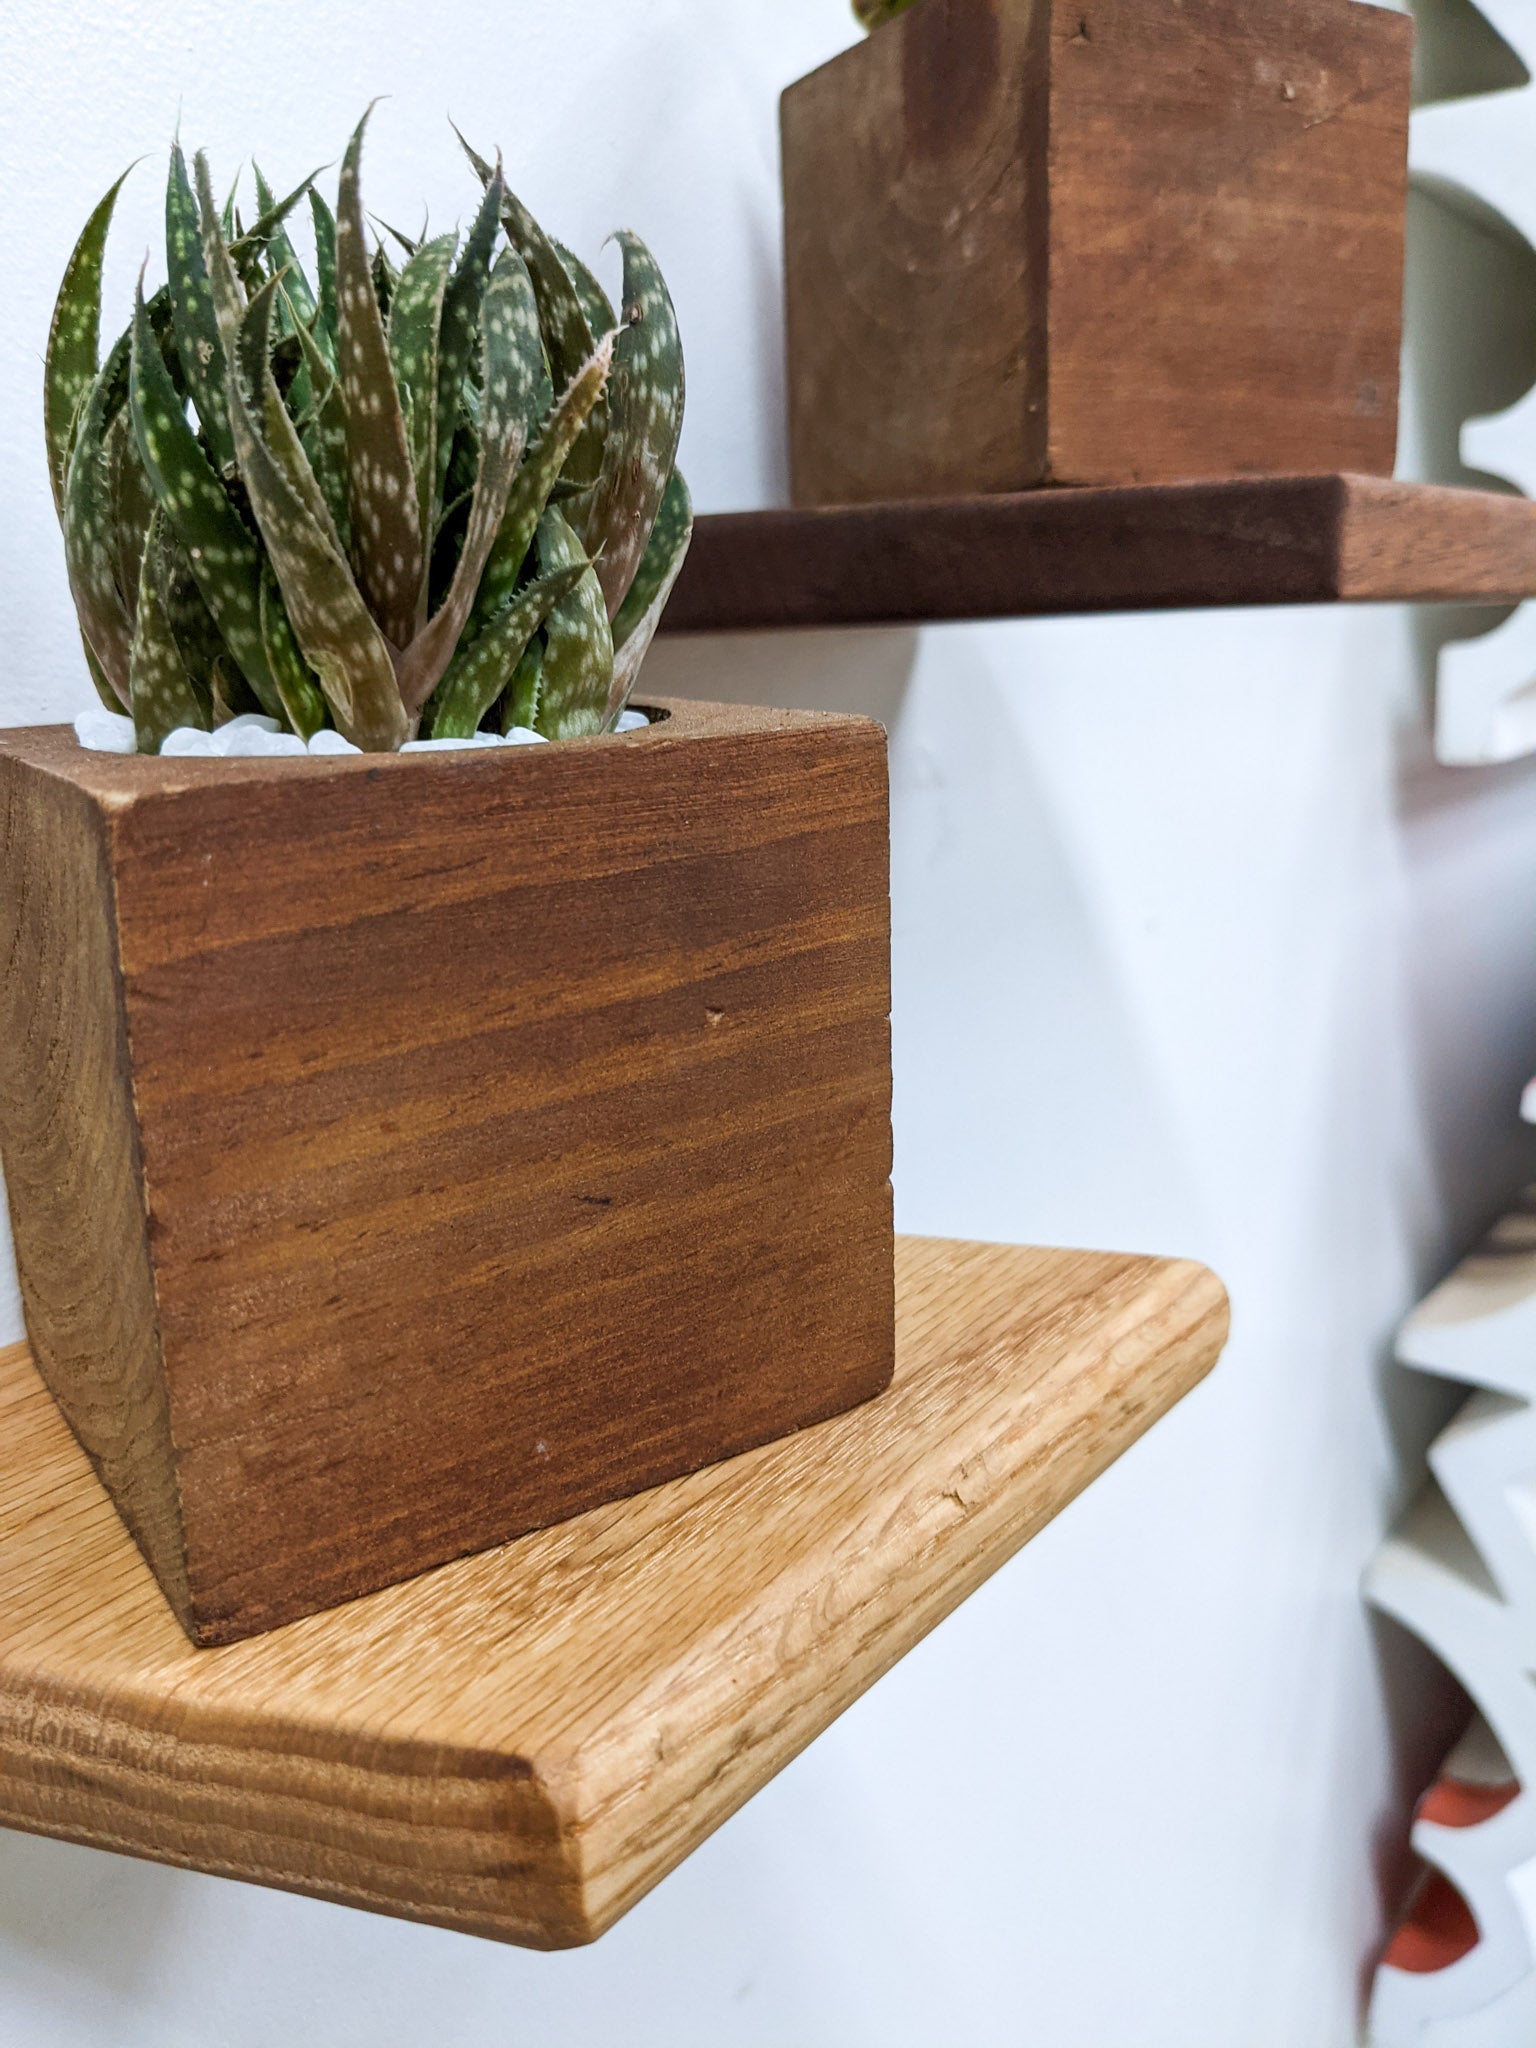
column 1096, row 242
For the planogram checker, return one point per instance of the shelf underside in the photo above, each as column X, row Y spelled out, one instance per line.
column 1259, row 541
column 522, row 1743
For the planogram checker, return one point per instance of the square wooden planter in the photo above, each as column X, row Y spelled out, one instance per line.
column 1096, row 242
column 404, row 1153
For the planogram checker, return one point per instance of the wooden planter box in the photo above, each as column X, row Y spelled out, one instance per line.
column 407, row 1152
column 1096, row 242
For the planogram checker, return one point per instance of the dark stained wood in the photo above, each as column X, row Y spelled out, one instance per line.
column 1096, row 242
column 512, row 1129
column 522, row 1743
column 1275, row 540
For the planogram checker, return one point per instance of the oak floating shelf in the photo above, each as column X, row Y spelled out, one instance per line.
column 522, row 1743
column 1259, row 541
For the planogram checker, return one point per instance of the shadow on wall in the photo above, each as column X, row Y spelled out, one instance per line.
column 1461, row 254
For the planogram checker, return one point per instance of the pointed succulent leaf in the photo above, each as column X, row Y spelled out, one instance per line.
column 323, row 432
column 192, row 311
column 478, row 675
column 461, row 323
column 228, row 293
column 133, row 505
column 387, row 543
column 415, row 327
column 210, row 666
column 297, row 307
column 645, row 404
column 296, row 685
column 262, row 236
column 335, row 630
column 536, row 479
column 520, row 705
column 103, row 688
column 73, row 339
column 325, row 276
column 875, row 13
column 253, row 363
column 161, row 694
column 568, row 334
column 406, row 245
column 223, row 556
column 510, row 323
column 90, row 531
column 385, row 278
column 640, row 614
column 595, row 303
column 577, row 673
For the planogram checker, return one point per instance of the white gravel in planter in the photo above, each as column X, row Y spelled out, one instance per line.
column 108, row 732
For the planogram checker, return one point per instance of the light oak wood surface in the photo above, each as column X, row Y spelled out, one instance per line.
column 1248, row 541
column 408, row 1152
column 522, row 1743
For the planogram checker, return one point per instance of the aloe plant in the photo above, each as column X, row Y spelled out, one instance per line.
column 874, row 14
column 400, row 501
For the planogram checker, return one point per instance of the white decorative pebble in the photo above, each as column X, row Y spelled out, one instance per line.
column 188, row 739
column 104, row 731
column 326, row 741
column 250, row 721
column 524, row 735
column 632, row 721
column 238, row 745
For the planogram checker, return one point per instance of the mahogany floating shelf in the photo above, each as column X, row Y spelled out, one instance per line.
column 1260, row 541
column 522, row 1743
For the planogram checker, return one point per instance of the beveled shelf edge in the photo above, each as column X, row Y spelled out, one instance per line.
column 1323, row 539
column 521, row 1744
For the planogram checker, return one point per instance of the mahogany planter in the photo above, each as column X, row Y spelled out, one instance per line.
column 1096, row 242
column 406, row 1152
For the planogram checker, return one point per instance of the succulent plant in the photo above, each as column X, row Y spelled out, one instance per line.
column 396, row 500
column 875, row 13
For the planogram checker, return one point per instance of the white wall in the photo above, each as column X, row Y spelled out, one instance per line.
column 1196, row 951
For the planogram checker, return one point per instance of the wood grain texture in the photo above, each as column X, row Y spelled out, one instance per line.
column 522, row 1743
column 70, row 1146
column 1275, row 540
column 513, row 1129
column 1096, row 241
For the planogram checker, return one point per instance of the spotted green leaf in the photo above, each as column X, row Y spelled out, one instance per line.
column 331, row 623
column 520, row 706
column 645, row 403
column 478, row 674
column 536, row 479
column 568, row 334
column 300, row 692
column 577, row 673
column 462, row 305
column 192, row 311
column 73, row 338
column 297, row 307
column 595, row 302
column 323, row 431
column 325, row 276
column 388, row 546
column 223, row 556
column 210, row 666
column 161, row 695
column 638, row 617
column 510, row 325
column 415, row 327
column 225, row 288
column 90, row 529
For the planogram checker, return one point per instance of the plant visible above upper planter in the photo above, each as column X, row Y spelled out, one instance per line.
column 392, row 502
